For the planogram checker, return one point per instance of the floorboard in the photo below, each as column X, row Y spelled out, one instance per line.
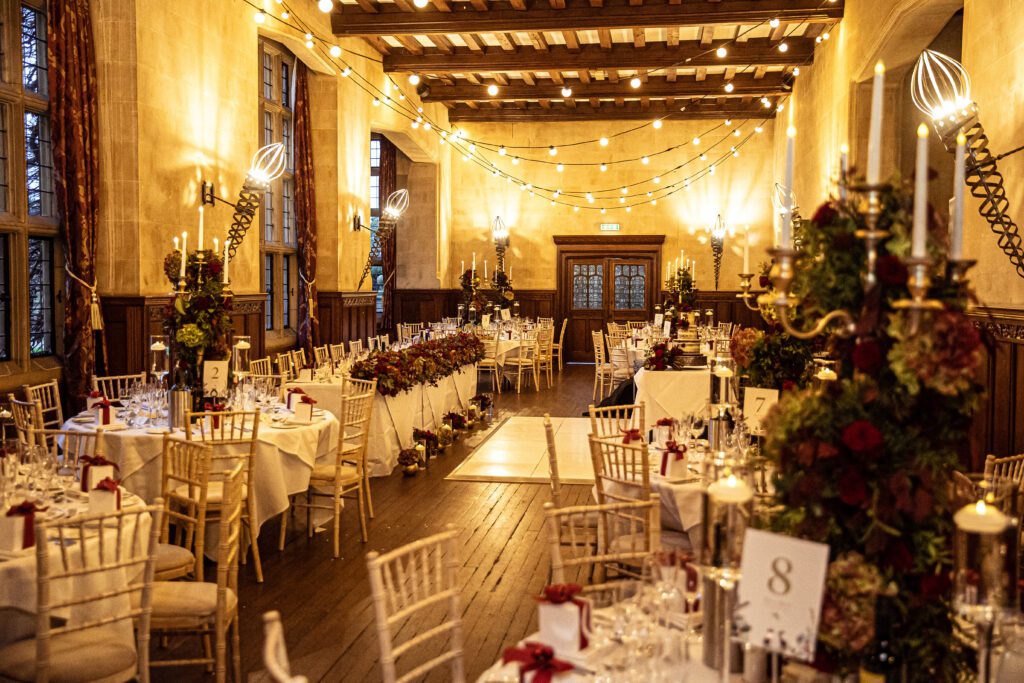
column 325, row 603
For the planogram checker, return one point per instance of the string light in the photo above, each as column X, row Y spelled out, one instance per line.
column 376, row 102
column 774, row 23
column 634, row 82
column 657, row 180
column 603, row 142
column 624, row 190
column 604, row 167
column 426, row 125
column 325, row 5
column 783, row 47
column 334, row 51
column 644, row 160
column 758, row 129
column 566, row 91
column 515, row 161
column 285, row 15
column 696, row 141
column 501, row 151
column 345, row 72
column 552, row 150
column 492, row 90
column 729, row 87
column 656, row 123
column 721, row 52
column 260, row 17
column 420, row 3
column 560, row 168
column 414, row 79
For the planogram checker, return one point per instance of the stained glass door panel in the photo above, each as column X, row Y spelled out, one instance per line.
column 587, row 301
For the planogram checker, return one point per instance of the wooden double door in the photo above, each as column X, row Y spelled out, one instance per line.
column 601, row 282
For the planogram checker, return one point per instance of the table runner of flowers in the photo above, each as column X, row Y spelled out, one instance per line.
column 427, row 362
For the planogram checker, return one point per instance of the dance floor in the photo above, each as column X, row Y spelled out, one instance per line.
column 517, row 452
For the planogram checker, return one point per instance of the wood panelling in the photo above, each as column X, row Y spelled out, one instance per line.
column 345, row 316
column 999, row 425
column 430, row 305
column 129, row 321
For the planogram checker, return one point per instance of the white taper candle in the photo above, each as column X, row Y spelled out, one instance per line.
column 875, row 127
column 920, row 232
column 956, row 242
column 786, row 235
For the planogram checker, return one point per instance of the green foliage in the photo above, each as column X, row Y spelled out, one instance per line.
column 197, row 321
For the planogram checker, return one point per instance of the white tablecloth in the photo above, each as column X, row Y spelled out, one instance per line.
column 18, row 577
column 671, row 393
column 284, row 461
column 394, row 417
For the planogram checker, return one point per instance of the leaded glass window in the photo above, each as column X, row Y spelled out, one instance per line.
column 630, row 287
column 33, row 50
column 286, row 299
column 4, row 183
column 5, row 320
column 268, row 279
column 587, row 285
column 38, row 164
column 40, row 287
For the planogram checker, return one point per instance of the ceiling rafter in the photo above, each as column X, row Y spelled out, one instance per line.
column 534, row 111
column 371, row 18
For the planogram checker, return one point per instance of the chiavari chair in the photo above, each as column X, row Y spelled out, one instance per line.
column 114, row 387
column 610, row 421
column 602, row 368
column 26, row 417
column 185, row 486
column 337, row 351
column 47, row 396
column 322, row 355
column 275, row 654
column 557, row 348
column 410, row 585
column 286, row 366
column 262, row 366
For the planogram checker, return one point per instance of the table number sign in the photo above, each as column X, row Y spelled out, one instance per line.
column 659, row 319
column 756, row 404
column 667, row 328
column 485, row 320
column 780, row 593
column 506, row 314
column 215, row 378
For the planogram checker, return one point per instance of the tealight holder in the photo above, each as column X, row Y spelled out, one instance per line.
column 824, row 374
column 980, row 577
column 159, row 356
column 240, row 355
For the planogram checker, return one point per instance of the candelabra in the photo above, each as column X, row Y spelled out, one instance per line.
column 396, row 205
column 941, row 88
column 266, row 166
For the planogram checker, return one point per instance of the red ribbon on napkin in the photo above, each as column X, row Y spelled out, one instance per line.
column 631, row 435
column 665, row 422
column 104, row 412
column 89, row 461
column 561, row 593
column 214, row 408
column 673, row 451
column 308, row 399
column 296, row 391
column 95, row 394
column 537, row 658
column 111, row 485
column 28, row 510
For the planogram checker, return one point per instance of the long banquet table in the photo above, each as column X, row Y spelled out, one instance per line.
column 394, row 417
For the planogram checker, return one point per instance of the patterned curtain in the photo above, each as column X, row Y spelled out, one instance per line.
column 73, row 119
column 305, row 214
column 388, row 180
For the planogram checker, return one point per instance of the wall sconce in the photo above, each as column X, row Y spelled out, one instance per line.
column 394, row 207
column 941, row 88
column 500, row 234
column 357, row 223
column 717, row 234
column 266, row 166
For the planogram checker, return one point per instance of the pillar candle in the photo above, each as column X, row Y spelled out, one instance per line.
column 462, row 267
column 201, row 227
column 956, row 217
column 474, row 264
column 875, row 128
column 184, row 252
column 216, row 246
column 917, row 245
column 227, row 261
column 786, row 237
column 176, row 247
column 510, row 272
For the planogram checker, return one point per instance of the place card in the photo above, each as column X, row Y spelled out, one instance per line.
column 659, row 319
column 485, row 320
column 215, row 378
column 756, row 404
column 506, row 314
column 781, row 592
column 667, row 328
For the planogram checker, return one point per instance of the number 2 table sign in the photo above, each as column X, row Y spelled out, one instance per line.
column 215, row 378
column 780, row 593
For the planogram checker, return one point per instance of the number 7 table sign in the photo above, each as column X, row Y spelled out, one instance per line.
column 756, row 404
column 780, row 593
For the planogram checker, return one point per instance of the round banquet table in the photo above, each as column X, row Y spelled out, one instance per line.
column 18, row 574
column 671, row 393
column 284, row 459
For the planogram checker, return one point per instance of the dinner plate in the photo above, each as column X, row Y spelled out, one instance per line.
column 284, row 425
column 157, row 430
column 84, row 419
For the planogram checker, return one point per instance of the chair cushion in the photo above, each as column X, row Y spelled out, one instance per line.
column 214, row 492
column 325, row 472
column 186, row 604
column 170, row 558
column 89, row 655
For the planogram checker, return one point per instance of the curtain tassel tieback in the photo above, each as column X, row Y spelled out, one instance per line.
column 95, row 312
column 310, row 299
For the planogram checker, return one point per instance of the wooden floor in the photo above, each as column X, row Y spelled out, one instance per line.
column 325, row 603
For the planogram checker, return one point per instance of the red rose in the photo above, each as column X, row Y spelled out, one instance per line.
column 764, row 281
column 788, row 385
column 852, row 488
column 891, row 270
column 899, row 557
column 825, row 215
column 861, row 436
column 867, row 356
column 934, row 585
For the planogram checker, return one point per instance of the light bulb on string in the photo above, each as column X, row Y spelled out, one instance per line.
column 552, row 150
column 334, row 51
column 260, row 17
column 472, row 147
column 783, row 47
column 623, row 190
column 758, row 129
column 656, row 123
column 711, row 169
column 414, row 79
column 604, row 167
column 415, row 124
column 729, row 87
column 644, row 160
column 728, row 122
column 649, row 193
column 796, row 71
column 325, row 5
column 345, row 72
column 420, row 3
column 566, row 91
column 426, row 125
column 657, row 180
column 285, row 15
column 560, row 167
column 628, row 209
column 515, row 161
column 774, row 23
column 602, row 210
column 492, row 90
column 703, row 157
column 634, row 82
column 590, row 198
column 696, row 141
column 721, row 52
column 654, row 202
column 558, row 192
column 622, row 200
column 736, row 133
column 376, row 102
column 576, row 209
column 603, row 141
column 501, row 151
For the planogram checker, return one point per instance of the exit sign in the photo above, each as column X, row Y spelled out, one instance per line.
column 610, row 227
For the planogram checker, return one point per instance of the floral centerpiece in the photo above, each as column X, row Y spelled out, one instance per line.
column 470, row 283
column 682, row 292
column 663, row 356
column 503, row 287
column 771, row 359
column 429, row 439
column 455, row 420
column 864, row 464
column 427, row 362
column 197, row 321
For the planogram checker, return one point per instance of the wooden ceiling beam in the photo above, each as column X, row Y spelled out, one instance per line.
column 743, row 84
column 608, row 110
column 472, row 42
column 639, row 37
column 479, row 5
column 620, row 56
column 388, row 19
column 442, row 43
column 572, row 41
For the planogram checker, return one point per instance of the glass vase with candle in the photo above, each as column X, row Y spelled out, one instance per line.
column 824, row 374
column 159, row 357
column 981, row 576
column 723, row 379
column 240, row 356
column 460, row 314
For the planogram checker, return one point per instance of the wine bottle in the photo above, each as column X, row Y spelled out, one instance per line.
column 881, row 662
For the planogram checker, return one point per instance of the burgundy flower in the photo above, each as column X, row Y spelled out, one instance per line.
column 805, row 453
column 861, row 436
column 825, row 215
column 852, row 488
column 215, row 268
column 933, row 586
column 867, row 356
column 899, row 557
column 891, row 270
column 844, row 240
column 827, row 451
column 763, row 281
column 788, row 385
column 900, row 488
